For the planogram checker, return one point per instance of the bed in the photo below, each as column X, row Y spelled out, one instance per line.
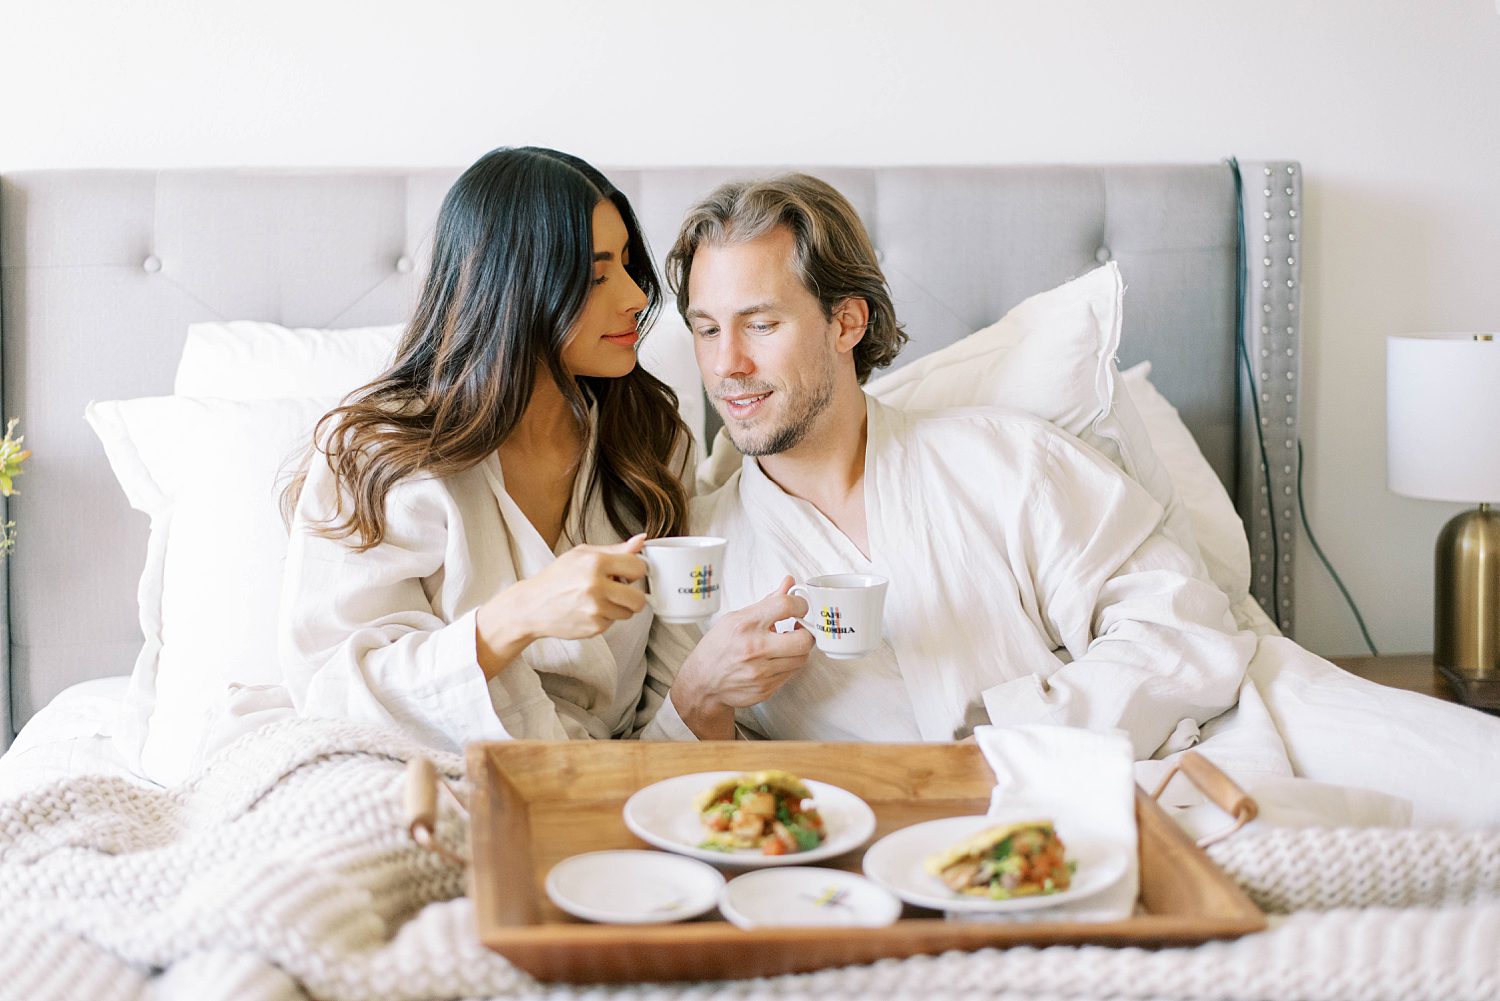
column 102, row 272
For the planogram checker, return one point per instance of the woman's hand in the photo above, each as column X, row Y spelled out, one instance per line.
column 579, row 595
column 741, row 662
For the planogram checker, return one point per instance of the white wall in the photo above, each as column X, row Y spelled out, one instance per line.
column 1392, row 107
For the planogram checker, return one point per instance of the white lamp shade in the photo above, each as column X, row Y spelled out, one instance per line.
column 1443, row 417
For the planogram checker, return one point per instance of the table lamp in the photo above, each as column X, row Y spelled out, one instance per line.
column 1443, row 443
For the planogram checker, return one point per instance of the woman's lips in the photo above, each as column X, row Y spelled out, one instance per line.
column 625, row 339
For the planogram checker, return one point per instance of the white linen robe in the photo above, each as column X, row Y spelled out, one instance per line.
column 1029, row 583
column 388, row 635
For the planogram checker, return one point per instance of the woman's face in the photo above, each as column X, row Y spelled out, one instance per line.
column 602, row 342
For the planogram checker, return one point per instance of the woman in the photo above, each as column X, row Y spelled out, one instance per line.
column 465, row 535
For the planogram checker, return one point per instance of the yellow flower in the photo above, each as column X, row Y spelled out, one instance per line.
column 11, row 457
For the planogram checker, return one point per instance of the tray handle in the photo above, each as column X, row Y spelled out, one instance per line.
column 421, row 802
column 1216, row 786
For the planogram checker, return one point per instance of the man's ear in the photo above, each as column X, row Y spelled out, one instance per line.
column 852, row 317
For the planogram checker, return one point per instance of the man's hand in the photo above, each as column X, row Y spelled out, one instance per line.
column 740, row 662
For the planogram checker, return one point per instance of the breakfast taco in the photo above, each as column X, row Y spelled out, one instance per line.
column 770, row 810
column 1013, row 860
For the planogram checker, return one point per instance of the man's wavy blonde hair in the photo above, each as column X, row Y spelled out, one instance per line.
column 834, row 257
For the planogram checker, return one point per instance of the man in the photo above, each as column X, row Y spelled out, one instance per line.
column 1029, row 581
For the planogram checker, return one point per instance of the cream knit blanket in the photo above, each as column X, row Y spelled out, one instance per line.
column 283, row 870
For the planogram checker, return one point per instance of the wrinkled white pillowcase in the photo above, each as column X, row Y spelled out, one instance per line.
column 1053, row 356
column 252, row 360
column 208, row 473
column 1216, row 524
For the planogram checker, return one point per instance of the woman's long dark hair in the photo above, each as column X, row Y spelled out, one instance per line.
column 512, row 266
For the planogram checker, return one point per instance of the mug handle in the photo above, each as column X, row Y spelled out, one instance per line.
column 800, row 590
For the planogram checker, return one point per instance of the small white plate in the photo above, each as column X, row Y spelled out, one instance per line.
column 663, row 814
column 806, row 897
column 633, row 887
column 895, row 862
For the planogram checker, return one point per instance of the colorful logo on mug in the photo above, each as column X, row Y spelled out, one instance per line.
column 703, row 583
column 830, row 622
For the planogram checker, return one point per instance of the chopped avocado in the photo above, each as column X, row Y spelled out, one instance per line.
column 806, row 839
column 1002, row 851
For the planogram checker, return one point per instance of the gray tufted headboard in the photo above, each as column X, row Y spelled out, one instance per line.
column 102, row 271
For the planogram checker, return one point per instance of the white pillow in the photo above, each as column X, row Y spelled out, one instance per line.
column 208, row 473
column 1054, row 356
column 250, row 360
column 1216, row 524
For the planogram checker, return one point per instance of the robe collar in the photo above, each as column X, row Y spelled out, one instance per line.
column 530, row 554
column 899, row 552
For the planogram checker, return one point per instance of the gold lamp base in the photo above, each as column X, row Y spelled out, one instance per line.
column 1466, row 616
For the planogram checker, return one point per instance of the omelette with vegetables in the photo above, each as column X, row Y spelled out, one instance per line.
column 1016, row 860
column 770, row 810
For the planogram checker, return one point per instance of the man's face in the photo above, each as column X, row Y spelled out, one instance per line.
column 765, row 350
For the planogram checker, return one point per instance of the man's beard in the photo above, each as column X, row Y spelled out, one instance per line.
column 802, row 414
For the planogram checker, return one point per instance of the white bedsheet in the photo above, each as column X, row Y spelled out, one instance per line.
column 80, row 732
column 1344, row 730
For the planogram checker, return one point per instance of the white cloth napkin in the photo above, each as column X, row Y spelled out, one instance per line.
column 1083, row 782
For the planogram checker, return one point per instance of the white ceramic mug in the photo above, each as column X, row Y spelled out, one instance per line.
column 684, row 576
column 844, row 612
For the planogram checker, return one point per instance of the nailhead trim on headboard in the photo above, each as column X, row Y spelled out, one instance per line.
column 1272, row 202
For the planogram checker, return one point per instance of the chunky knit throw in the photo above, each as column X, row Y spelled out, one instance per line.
column 283, row 870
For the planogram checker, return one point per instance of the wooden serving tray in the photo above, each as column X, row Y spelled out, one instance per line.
column 537, row 802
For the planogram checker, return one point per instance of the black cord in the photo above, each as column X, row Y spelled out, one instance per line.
column 1242, row 349
column 1327, row 565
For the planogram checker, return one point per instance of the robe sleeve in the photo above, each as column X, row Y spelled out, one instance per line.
column 1154, row 646
column 360, row 640
column 656, row 717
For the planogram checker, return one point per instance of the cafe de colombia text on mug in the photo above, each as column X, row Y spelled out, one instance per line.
column 683, row 578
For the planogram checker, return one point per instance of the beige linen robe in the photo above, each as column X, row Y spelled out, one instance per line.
column 388, row 635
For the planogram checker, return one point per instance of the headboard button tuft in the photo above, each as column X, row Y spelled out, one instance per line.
column 403, row 264
column 151, row 265
column 1102, row 255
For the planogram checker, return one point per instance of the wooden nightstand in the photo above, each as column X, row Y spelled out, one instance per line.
column 1411, row 671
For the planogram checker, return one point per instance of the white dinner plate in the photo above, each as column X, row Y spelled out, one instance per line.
column 633, row 887
column 806, row 897
column 895, row 862
column 663, row 814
